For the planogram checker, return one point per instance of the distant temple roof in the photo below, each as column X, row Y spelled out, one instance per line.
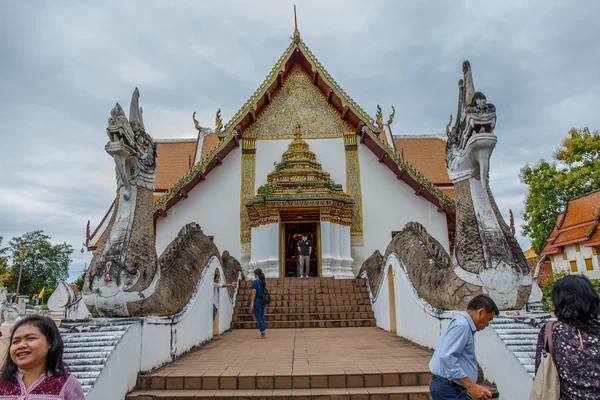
column 579, row 223
column 427, row 153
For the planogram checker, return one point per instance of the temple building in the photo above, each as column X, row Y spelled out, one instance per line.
column 300, row 156
column 573, row 245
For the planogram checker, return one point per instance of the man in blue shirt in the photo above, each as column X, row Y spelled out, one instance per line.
column 454, row 365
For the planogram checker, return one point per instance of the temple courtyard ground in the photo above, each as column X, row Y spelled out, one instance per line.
column 322, row 363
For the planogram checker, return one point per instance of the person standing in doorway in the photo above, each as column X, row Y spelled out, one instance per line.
column 305, row 250
column 454, row 365
column 217, row 286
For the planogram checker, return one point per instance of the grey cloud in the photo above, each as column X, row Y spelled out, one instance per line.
column 65, row 65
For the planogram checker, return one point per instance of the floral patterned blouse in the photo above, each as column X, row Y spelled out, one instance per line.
column 45, row 388
column 577, row 360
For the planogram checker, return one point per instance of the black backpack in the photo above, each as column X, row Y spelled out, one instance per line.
column 266, row 296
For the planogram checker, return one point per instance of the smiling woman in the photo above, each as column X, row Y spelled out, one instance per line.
column 34, row 365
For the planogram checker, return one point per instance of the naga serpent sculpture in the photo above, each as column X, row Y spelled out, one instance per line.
column 125, row 277
column 487, row 258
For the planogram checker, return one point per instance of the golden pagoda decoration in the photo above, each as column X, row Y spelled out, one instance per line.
column 298, row 182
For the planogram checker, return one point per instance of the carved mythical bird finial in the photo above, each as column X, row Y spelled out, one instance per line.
column 391, row 118
column 196, row 123
column 448, row 126
column 379, row 119
column 218, row 121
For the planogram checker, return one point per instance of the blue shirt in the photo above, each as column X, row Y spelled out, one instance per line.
column 454, row 356
column 257, row 286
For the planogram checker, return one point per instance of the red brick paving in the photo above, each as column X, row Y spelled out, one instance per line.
column 303, row 352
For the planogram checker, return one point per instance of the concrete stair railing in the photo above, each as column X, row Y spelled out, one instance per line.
column 106, row 355
column 505, row 350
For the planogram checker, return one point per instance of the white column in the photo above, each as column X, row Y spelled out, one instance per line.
column 264, row 251
column 325, row 249
column 272, row 265
column 346, row 254
column 336, row 262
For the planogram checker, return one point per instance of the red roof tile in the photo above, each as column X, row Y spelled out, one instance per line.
column 210, row 141
column 594, row 240
column 427, row 155
column 578, row 223
column 172, row 162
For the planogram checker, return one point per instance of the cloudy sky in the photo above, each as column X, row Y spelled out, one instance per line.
column 64, row 64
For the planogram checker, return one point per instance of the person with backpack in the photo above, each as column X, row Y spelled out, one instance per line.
column 260, row 299
column 572, row 344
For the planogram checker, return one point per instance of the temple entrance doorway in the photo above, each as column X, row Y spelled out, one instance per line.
column 291, row 233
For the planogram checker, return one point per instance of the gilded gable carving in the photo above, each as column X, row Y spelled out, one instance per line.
column 298, row 101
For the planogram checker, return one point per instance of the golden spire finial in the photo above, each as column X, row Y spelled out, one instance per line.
column 296, row 32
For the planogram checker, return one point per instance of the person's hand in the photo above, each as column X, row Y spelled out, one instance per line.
column 234, row 284
column 478, row 392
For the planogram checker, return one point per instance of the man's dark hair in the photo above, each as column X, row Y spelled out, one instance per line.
column 304, row 234
column 485, row 302
column 54, row 361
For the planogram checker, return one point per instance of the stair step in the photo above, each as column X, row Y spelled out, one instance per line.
column 410, row 392
column 520, row 331
column 251, row 382
column 309, row 296
column 310, row 303
column 348, row 323
column 315, row 309
column 306, row 316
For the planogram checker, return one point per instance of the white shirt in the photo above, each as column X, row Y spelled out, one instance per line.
column 216, row 294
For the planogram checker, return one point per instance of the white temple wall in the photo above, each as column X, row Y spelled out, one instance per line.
column 388, row 204
column 330, row 154
column 214, row 204
column 579, row 257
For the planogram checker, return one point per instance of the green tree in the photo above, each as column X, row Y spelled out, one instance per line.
column 547, row 286
column 79, row 281
column 4, row 270
column 44, row 264
column 575, row 171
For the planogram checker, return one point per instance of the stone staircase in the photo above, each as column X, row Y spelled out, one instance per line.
column 520, row 338
column 308, row 303
column 88, row 345
column 324, row 363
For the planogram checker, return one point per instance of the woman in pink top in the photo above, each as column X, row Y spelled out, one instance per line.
column 33, row 367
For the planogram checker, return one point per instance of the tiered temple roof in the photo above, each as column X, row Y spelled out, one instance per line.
column 579, row 223
column 230, row 135
column 300, row 182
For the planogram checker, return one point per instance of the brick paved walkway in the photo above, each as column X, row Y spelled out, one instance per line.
column 302, row 352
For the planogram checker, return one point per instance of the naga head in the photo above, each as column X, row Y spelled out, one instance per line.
column 132, row 148
column 472, row 139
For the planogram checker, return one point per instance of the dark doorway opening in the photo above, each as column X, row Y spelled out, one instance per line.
column 291, row 235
